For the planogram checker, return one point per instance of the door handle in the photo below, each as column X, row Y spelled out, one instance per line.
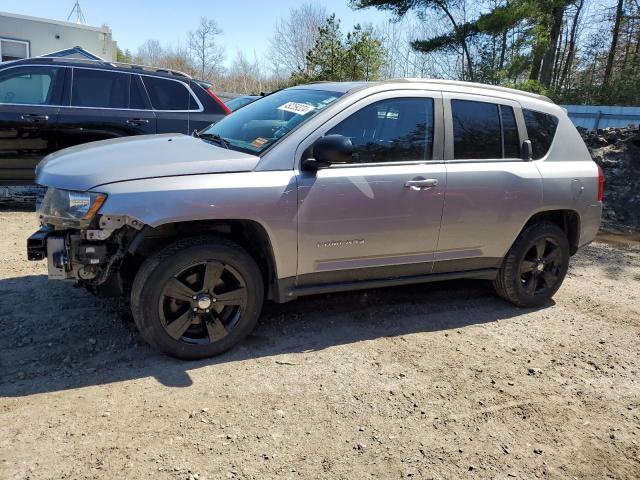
column 34, row 117
column 421, row 183
column 137, row 121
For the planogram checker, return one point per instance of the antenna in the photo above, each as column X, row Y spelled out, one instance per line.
column 78, row 12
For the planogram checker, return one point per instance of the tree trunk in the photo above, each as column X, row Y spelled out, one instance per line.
column 561, row 53
column 503, row 49
column 460, row 38
column 203, row 53
column 614, row 43
column 536, row 63
column 572, row 44
column 546, row 71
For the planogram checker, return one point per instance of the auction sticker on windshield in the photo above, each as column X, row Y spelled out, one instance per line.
column 258, row 142
column 295, row 107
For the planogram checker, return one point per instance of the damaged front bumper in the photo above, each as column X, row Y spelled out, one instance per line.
column 89, row 255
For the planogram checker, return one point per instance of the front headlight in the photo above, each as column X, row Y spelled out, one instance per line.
column 67, row 205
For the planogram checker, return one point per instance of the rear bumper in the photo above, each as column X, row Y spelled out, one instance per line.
column 590, row 223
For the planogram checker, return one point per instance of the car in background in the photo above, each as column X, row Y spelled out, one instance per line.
column 47, row 104
column 239, row 102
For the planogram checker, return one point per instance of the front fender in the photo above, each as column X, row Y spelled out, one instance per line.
column 268, row 198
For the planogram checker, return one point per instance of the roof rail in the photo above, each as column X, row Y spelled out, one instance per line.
column 459, row 83
column 131, row 66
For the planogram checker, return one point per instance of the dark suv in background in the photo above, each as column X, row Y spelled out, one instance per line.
column 47, row 104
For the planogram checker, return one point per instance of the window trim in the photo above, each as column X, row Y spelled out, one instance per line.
column 27, row 43
column 359, row 104
column 448, row 124
column 520, row 138
column 199, row 110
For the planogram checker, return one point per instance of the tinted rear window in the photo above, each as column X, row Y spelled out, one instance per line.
column 99, row 88
column 541, row 128
column 476, row 130
column 168, row 94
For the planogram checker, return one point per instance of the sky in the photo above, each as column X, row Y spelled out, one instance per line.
column 247, row 24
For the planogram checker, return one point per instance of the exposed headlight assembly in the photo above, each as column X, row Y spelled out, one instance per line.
column 70, row 209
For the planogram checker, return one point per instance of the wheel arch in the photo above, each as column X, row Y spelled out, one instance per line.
column 568, row 220
column 249, row 234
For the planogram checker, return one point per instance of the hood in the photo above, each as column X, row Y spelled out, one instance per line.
column 90, row 165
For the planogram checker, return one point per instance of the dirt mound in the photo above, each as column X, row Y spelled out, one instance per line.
column 617, row 151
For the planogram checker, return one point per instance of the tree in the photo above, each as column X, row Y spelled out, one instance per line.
column 150, row 53
column 572, row 43
column 357, row 56
column 244, row 76
column 614, row 43
column 363, row 58
column 203, row 47
column 325, row 60
column 539, row 23
column 401, row 7
column 294, row 36
column 555, row 21
column 124, row 56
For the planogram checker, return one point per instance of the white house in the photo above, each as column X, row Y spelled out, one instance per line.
column 22, row 36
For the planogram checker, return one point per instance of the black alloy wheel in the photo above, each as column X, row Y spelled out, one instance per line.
column 197, row 297
column 203, row 303
column 541, row 267
column 534, row 268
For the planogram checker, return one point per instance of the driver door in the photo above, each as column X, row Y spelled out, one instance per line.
column 362, row 220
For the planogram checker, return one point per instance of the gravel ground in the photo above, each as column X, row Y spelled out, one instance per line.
column 430, row 381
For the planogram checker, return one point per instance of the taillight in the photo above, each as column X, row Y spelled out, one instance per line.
column 218, row 101
column 600, row 183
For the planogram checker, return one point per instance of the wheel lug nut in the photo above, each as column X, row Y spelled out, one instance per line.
column 194, row 297
column 214, row 300
column 195, row 309
column 207, row 310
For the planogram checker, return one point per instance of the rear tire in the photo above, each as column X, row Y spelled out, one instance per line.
column 535, row 267
column 197, row 297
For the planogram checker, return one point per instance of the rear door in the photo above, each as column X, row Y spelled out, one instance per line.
column 172, row 101
column 29, row 99
column 491, row 191
column 103, row 104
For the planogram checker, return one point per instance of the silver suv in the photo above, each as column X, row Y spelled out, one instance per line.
column 321, row 188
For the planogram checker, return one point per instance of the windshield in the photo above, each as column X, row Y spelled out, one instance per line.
column 260, row 124
column 235, row 103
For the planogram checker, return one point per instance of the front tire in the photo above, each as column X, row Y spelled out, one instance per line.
column 197, row 297
column 535, row 266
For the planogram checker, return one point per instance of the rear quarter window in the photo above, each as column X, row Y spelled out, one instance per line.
column 541, row 128
column 168, row 94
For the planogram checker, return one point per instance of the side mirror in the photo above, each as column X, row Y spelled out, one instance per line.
column 327, row 151
column 527, row 151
